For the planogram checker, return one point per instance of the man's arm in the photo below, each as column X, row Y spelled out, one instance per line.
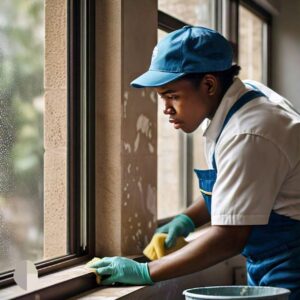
column 198, row 212
column 185, row 223
column 215, row 244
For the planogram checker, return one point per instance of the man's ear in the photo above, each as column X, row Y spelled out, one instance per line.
column 210, row 84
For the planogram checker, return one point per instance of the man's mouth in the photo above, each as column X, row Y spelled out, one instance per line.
column 173, row 120
column 176, row 123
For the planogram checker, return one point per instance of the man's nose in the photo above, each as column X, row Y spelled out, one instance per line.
column 169, row 111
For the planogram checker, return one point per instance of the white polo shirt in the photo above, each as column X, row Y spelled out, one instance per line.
column 257, row 158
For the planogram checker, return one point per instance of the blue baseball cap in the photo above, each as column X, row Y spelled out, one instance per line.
column 191, row 49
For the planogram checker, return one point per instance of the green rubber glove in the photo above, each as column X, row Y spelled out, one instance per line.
column 124, row 270
column 181, row 225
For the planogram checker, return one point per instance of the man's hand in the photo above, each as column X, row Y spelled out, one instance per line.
column 124, row 270
column 181, row 225
column 213, row 245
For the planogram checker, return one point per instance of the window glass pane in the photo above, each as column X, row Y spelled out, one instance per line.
column 33, row 134
column 251, row 44
column 194, row 12
column 170, row 176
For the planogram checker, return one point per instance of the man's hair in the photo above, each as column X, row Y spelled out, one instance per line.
column 226, row 77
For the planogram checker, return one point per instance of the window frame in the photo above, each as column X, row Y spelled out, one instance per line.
column 75, row 110
column 78, row 254
column 266, row 18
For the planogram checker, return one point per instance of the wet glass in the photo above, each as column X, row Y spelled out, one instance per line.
column 22, row 135
column 21, row 131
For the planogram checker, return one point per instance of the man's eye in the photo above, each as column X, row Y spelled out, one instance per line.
column 172, row 97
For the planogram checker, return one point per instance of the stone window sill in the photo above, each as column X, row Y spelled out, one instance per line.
column 65, row 284
column 69, row 283
column 80, row 283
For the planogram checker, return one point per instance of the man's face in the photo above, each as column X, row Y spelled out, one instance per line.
column 186, row 105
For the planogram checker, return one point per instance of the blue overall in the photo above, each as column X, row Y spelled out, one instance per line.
column 272, row 250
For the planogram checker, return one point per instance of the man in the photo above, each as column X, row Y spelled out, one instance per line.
column 251, row 192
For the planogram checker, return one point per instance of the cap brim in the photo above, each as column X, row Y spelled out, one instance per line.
column 155, row 79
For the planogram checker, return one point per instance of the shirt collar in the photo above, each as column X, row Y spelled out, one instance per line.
column 212, row 128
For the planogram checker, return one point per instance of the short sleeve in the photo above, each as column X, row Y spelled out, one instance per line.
column 250, row 172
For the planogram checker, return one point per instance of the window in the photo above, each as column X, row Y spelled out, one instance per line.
column 179, row 153
column 253, row 55
column 22, row 110
column 46, row 131
column 194, row 12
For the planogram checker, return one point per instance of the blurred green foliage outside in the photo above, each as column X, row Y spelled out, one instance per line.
column 21, row 131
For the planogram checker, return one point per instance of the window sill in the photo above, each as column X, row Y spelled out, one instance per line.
column 58, row 285
column 69, row 283
column 65, row 284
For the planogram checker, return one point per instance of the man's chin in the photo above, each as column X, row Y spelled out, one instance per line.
column 184, row 128
column 187, row 130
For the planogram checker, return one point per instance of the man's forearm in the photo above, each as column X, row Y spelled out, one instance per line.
column 215, row 244
column 198, row 212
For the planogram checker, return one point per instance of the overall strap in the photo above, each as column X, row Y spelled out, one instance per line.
column 252, row 86
column 247, row 97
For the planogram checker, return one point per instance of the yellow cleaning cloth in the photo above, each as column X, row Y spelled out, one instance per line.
column 156, row 249
column 95, row 259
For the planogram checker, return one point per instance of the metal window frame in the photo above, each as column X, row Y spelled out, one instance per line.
column 79, row 252
column 228, row 23
column 169, row 23
column 81, row 156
